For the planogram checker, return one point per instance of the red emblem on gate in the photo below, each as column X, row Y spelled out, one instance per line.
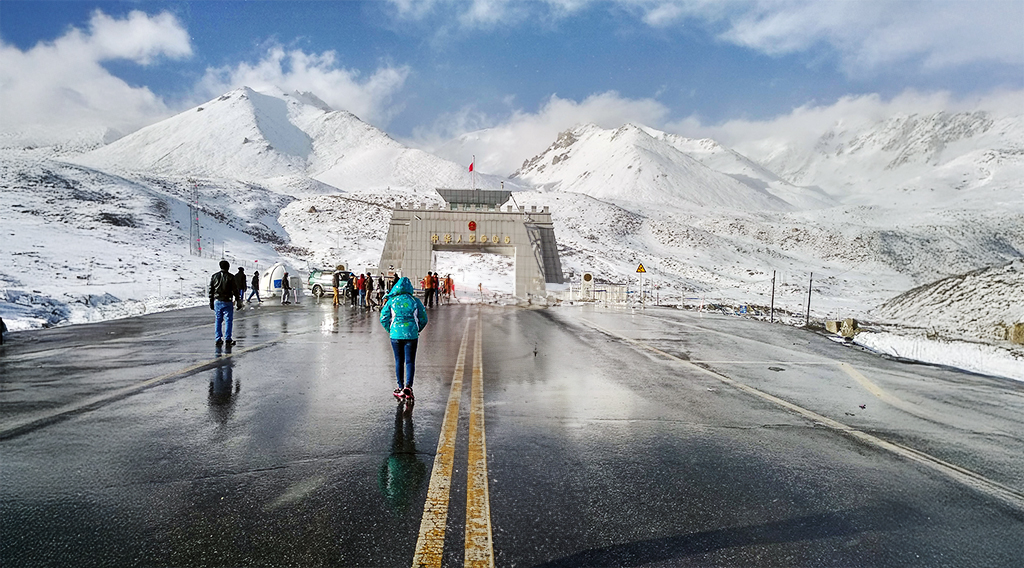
column 472, row 225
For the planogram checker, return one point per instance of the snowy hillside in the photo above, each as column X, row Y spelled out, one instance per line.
column 732, row 163
column 909, row 160
column 978, row 304
column 628, row 164
column 80, row 244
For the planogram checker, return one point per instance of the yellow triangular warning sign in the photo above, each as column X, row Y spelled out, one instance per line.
column 640, row 268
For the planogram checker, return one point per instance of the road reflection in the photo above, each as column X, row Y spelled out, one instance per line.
column 402, row 473
column 223, row 387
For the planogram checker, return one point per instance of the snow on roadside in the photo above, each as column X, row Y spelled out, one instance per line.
column 982, row 358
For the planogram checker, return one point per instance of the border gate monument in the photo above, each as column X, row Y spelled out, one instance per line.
column 472, row 221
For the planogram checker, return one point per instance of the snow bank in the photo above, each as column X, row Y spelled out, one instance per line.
column 1002, row 361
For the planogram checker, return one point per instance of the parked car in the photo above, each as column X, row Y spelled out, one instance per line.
column 321, row 282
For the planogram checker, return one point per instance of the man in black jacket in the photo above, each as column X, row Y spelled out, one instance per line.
column 242, row 282
column 224, row 293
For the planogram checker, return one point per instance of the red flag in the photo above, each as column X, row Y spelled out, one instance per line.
column 471, row 166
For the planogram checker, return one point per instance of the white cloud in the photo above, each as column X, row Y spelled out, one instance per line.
column 62, row 87
column 485, row 14
column 871, row 34
column 295, row 70
column 139, row 37
column 866, row 36
column 501, row 147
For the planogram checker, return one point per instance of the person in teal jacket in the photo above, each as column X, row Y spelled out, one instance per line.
column 404, row 316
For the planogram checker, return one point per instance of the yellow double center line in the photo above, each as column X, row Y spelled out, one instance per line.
column 479, row 547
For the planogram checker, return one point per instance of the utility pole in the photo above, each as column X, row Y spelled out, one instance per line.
column 807, row 322
column 772, row 311
column 195, row 246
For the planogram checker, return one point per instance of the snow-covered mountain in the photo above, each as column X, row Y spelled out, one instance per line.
column 261, row 136
column 629, row 164
column 941, row 159
column 739, row 167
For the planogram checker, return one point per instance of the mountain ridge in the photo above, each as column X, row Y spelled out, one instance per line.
column 586, row 159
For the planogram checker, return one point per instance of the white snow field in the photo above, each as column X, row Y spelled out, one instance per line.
column 95, row 230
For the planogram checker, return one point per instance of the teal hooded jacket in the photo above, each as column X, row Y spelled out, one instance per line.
column 403, row 315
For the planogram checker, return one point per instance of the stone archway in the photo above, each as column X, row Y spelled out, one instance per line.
column 473, row 221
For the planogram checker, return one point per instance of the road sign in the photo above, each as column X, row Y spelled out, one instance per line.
column 640, row 268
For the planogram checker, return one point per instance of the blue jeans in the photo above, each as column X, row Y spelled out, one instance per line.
column 257, row 293
column 224, row 311
column 405, row 359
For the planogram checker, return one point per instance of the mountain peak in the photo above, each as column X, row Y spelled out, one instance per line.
column 630, row 163
column 307, row 97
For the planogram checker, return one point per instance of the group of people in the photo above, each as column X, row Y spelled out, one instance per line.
column 363, row 291
column 227, row 291
column 436, row 289
column 402, row 314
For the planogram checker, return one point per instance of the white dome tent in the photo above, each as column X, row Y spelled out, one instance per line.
column 270, row 281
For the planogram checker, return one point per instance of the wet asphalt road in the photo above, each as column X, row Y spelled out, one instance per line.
column 613, row 438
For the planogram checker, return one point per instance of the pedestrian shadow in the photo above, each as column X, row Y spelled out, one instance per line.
column 803, row 528
column 223, row 387
column 402, row 473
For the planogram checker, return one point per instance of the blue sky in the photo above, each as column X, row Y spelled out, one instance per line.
column 429, row 70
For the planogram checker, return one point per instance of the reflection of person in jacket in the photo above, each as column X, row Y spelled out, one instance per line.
column 223, row 390
column 402, row 473
column 404, row 316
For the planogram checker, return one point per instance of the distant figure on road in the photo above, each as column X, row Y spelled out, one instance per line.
column 255, row 287
column 369, row 291
column 224, row 294
column 242, row 282
column 336, row 284
column 380, row 290
column 285, row 288
column 404, row 316
column 350, row 289
column 449, row 289
column 428, row 290
column 361, row 286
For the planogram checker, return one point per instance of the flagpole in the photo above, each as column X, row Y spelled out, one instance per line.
column 474, row 171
